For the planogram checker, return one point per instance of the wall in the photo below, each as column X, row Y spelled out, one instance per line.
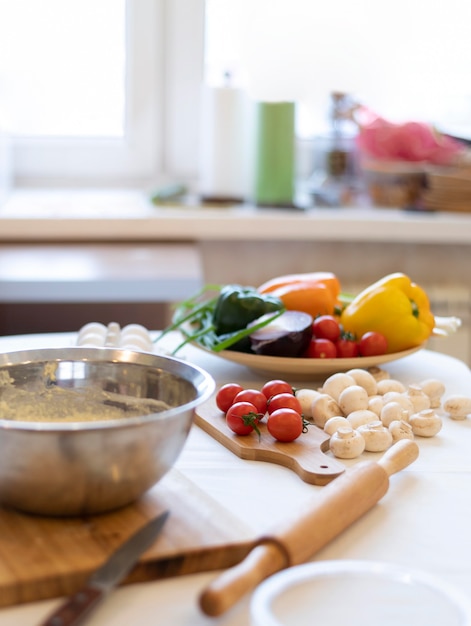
column 252, row 262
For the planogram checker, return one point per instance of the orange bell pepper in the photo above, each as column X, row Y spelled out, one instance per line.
column 329, row 279
column 313, row 298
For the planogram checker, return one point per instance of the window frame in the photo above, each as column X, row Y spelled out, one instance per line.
column 163, row 73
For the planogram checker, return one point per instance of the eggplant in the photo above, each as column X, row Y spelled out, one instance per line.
column 288, row 335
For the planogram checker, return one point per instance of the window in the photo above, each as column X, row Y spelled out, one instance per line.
column 406, row 60
column 93, row 89
column 403, row 59
column 59, row 79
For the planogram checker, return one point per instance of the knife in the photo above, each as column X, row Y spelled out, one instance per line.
column 78, row 606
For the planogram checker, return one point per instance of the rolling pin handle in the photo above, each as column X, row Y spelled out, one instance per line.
column 399, row 456
column 266, row 558
column 343, row 501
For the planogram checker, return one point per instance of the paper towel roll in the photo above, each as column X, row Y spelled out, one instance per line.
column 224, row 144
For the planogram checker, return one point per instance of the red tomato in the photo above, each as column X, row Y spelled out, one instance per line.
column 254, row 396
column 285, row 425
column 321, row 349
column 284, row 401
column 226, row 394
column 273, row 387
column 372, row 344
column 242, row 418
column 346, row 348
column 326, row 327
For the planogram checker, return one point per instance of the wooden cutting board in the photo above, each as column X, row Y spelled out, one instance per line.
column 44, row 557
column 306, row 456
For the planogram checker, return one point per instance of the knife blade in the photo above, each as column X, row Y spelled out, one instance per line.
column 75, row 609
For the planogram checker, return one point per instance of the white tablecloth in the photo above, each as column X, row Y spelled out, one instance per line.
column 422, row 522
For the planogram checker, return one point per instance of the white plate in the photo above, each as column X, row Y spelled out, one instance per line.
column 283, row 366
column 357, row 593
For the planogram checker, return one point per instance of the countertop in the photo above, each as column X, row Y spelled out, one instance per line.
column 128, row 215
column 422, row 522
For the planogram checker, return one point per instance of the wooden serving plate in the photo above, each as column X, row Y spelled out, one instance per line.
column 299, row 368
column 306, row 456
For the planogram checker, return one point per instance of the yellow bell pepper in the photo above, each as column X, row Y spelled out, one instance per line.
column 395, row 307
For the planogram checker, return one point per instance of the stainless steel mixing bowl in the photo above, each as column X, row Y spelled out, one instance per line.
column 86, row 467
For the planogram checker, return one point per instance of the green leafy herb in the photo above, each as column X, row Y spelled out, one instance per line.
column 203, row 317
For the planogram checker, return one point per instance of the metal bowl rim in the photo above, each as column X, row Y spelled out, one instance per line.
column 106, row 355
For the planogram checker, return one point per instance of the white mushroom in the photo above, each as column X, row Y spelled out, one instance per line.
column 389, row 384
column 457, row 406
column 375, row 404
column 434, row 389
column 419, row 399
column 364, row 379
column 393, row 411
column 336, row 383
column 334, row 423
column 377, row 437
column 353, row 398
column 323, row 408
column 360, row 417
column 401, row 398
column 425, row 423
column 347, row 443
column 401, row 430
column 306, row 398
column 378, row 373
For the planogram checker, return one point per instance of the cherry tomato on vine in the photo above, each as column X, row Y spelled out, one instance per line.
column 326, row 327
column 372, row 344
column 284, row 401
column 254, row 396
column 285, row 425
column 346, row 348
column 242, row 418
column 321, row 349
column 276, row 386
column 226, row 394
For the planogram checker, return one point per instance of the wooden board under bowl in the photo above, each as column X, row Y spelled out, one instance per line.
column 45, row 557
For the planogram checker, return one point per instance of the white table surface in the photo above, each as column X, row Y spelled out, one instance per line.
column 422, row 522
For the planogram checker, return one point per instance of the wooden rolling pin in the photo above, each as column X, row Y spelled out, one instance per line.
column 340, row 503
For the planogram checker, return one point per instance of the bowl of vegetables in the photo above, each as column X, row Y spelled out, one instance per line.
column 302, row 324
column 307, row 368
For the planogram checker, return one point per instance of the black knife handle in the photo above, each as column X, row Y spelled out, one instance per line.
column 75, row 608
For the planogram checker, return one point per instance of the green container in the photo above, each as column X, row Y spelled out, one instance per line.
column 274, row 153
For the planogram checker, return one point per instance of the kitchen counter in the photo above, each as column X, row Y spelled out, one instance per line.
column 238, row 244
column 421, row 523
column 34, row 216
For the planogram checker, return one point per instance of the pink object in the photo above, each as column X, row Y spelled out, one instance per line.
column 411, row 141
